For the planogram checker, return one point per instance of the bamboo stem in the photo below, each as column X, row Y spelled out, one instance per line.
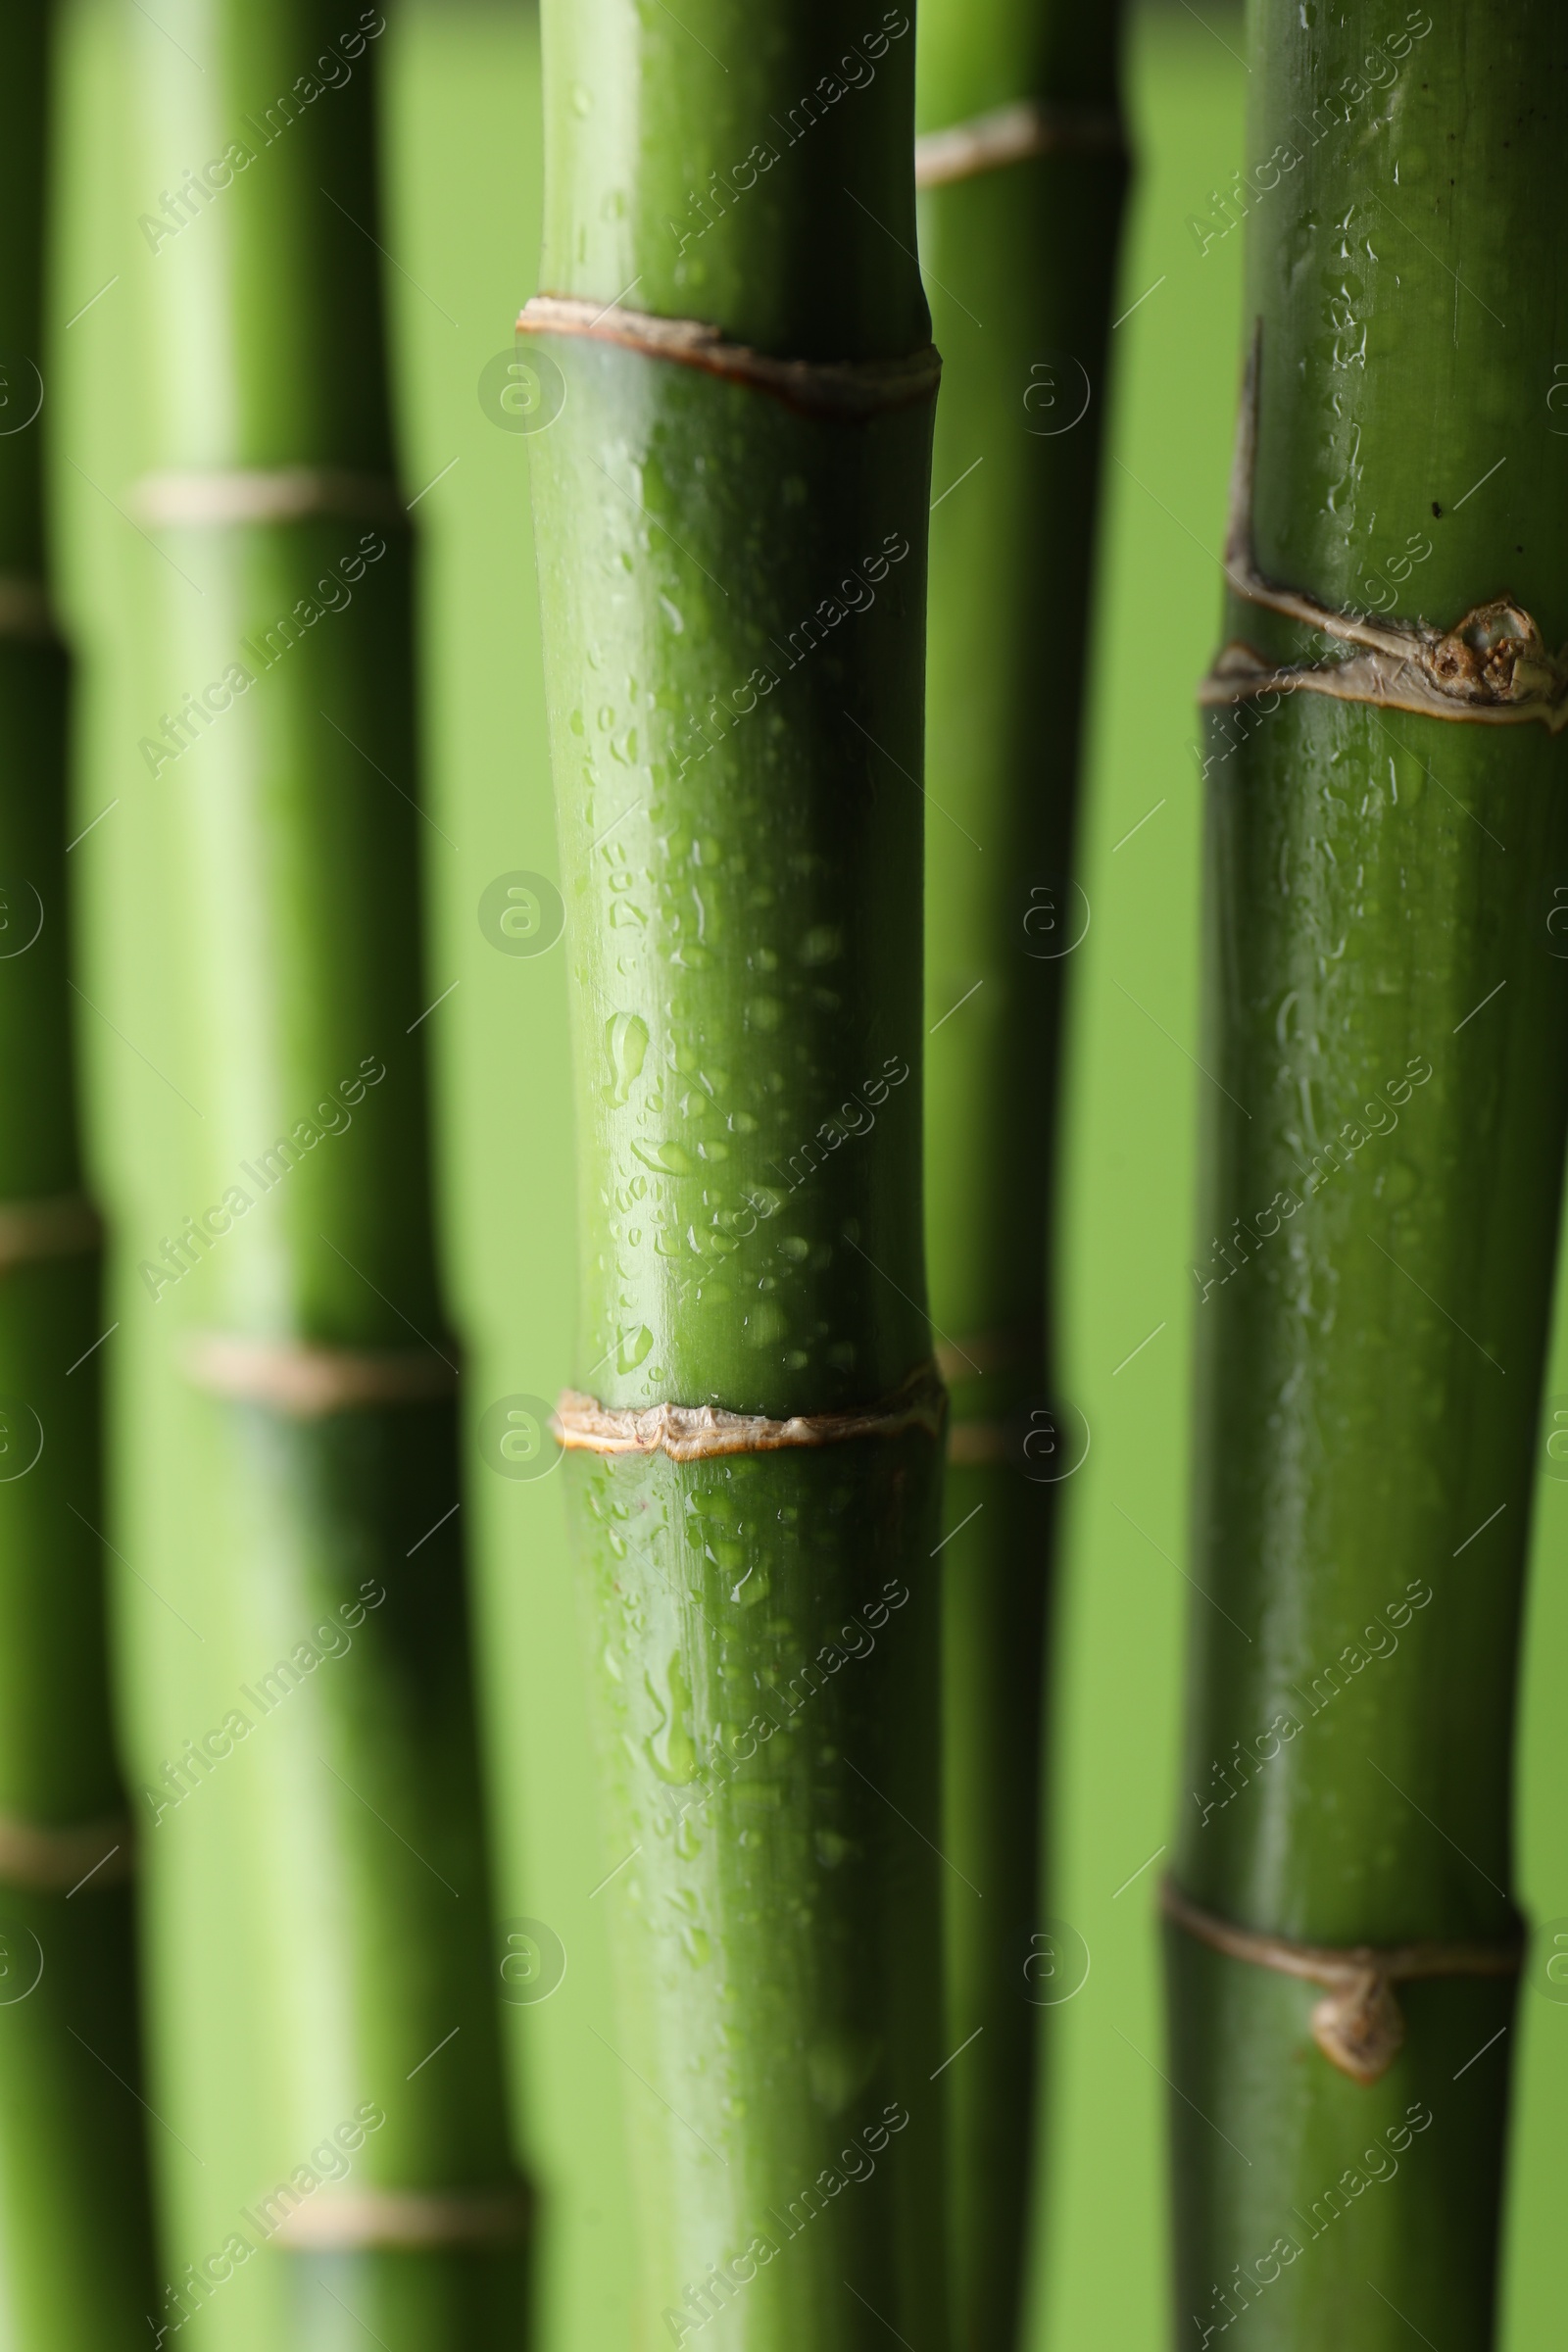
column 1020, row 136
column 73, row 2159
column 289, row 1433
column 732, row 522
column 1387, row 1035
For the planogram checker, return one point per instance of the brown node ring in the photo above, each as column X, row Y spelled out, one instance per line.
column 1016, row 1349
column 1491, row 668
column 61, row 1225
column 1358, row 2025
column 847, row 391
column 276, row 494
column 1012, row 134
column 977, row 1445
column 46, row 1859
column 25, row 611
column 693, row 1432
column 408, row 2218
column 977, row 1441
column 308, row 1383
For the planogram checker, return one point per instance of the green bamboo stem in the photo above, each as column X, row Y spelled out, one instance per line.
column 1387, row 1039
column 287, row 1414
column 73, row 2161
column 733, row 592
column 1020, row 311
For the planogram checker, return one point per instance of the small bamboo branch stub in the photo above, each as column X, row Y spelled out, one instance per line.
column 1358, row 2025
column 1491, row 668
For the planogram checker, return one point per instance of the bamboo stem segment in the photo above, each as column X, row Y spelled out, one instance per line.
column 1021, row 161
column 731, row 507
column 74, row 2169
column 289, row 1416
column 1384, row 1098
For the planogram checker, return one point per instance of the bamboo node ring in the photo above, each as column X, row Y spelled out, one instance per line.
column 1358, row 2025
column 845, row 390
column 693, row 1432
column 63, row 1225
column 45, row 1860
column 1012, row 134
column 1491, row 668
column 307, row 1382
column 1016, row 1349
column 977, row 1445
column 406, row 2219
column 277, row 493
column 25, row 611
column 977, row 1441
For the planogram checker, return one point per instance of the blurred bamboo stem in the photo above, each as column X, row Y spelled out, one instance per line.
column 1020, row 136
column 73, row 2161
column 290, row 1348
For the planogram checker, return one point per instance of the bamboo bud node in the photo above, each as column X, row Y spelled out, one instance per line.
column 845, row 390
column 408, row 2218
column 25, row 612
column 281, row 494
column 693, row 1433
column 1491, row 668
column 1358, row 2026
column 307, row 1382
column 64, row 1225
column 50, row 1861
column 1010, row 134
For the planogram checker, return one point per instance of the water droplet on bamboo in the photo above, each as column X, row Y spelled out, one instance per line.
column 670, row 1747
column 626, row 1039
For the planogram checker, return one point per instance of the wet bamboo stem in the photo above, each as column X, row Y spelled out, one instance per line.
column 732, row 572
column 1023, row 171
column 73, row 2161
column 1386, row 1043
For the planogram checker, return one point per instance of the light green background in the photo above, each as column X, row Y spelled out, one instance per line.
column 462, row 223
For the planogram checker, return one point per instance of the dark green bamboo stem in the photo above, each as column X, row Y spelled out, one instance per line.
column 73, row 2161
column 1021, row 251
column 733, row 591
column 1387, row 1038
column 288, row 1424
